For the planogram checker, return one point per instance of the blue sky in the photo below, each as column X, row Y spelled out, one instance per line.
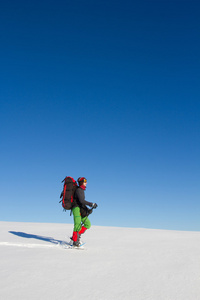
column 109, row 91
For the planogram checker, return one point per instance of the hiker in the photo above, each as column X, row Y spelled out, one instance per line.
column 81, row 211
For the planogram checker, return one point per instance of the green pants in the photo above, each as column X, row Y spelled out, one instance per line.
column 78, row 220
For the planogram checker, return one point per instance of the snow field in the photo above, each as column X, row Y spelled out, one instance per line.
column 117, row 263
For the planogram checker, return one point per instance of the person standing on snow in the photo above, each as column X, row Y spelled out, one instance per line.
column 81, row 212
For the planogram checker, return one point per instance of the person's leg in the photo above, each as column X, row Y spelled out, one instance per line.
column 86, row 225
column 77, row 224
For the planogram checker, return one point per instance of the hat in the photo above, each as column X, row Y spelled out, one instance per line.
column 81, row 180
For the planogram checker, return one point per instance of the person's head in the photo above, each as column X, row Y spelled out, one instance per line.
column 82, row 181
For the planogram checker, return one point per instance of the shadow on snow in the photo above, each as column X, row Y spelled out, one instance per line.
column 37, row 237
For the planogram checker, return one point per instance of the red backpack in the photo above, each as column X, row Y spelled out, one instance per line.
column 67, row 195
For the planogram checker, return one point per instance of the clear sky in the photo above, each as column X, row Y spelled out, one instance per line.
column 108, row 90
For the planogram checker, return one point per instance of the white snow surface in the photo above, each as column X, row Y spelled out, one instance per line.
column 117, row 263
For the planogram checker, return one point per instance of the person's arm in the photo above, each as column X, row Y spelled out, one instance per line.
column 81, row 197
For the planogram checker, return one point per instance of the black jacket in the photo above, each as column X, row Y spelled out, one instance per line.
column 79, row 200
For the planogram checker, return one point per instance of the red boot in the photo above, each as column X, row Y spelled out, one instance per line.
column 83, row 229
column 75, row 238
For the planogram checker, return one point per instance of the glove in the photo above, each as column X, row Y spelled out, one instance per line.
column 94, row 205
